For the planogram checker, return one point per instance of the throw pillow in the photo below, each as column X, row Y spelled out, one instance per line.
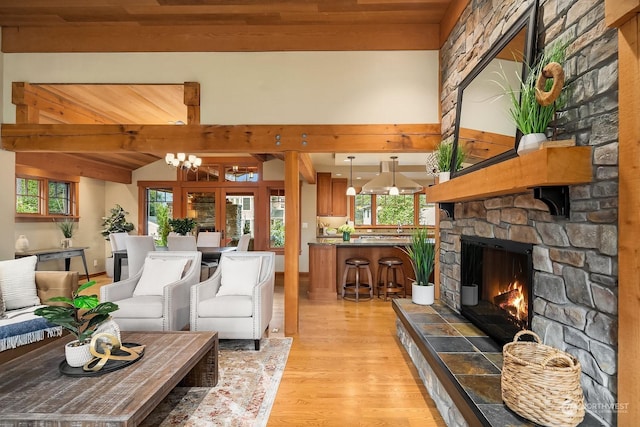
column 157, row 273
column 18, row 282
column 238, row 275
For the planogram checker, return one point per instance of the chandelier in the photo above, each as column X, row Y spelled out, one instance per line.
column 182, row 161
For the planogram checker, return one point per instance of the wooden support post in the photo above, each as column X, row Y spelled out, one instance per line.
column 629, row 223
column 292, row 245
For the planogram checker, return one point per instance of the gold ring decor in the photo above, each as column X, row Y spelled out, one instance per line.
column 101, row 346
column 556, row 72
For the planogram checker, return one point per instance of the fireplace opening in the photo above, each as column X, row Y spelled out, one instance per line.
column 496, row 287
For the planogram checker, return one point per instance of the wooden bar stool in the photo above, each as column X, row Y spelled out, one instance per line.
column 389, row 268
column 356, row 289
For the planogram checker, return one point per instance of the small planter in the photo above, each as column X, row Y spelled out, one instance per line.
column 77, row 354
column 469, row 294
column 530, row 142
column 444, row 177
column 422, row 295
column 346, row 236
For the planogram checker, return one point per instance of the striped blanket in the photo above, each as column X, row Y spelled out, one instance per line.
column 23, row 327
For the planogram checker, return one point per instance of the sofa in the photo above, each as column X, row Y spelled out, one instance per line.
column 20, row 330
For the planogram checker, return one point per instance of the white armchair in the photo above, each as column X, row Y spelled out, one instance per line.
column 237, row 301
column 157, row 297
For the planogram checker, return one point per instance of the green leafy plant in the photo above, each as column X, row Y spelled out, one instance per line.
column 66, row 226
column 182, row 226
column 116, row 222
column 525, row 111
column 80, row 315
column 422, row 254
column 444, row 154
column 346, row 228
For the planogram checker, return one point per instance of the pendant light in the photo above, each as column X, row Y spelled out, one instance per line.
column 351, row 191
column 393, row 191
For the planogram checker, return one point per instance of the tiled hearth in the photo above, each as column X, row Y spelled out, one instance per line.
column 459, row 365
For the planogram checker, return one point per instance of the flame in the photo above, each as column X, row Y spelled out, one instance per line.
column 514, row 303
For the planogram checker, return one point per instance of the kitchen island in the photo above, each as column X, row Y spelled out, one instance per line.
column 327, row 260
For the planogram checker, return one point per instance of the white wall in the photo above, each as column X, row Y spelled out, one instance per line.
column 237, row 88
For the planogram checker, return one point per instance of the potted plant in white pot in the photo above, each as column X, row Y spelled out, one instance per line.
column 535, row 102
column 422, row 254
column 80, row 315
column 66, row 227
column 443, row 155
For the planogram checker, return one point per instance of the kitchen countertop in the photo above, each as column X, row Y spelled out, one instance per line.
column 363, row 241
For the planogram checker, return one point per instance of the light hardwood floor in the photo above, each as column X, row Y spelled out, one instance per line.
column 346, row 367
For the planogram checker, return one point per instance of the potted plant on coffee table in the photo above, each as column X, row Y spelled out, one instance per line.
column 80, row 315
column 422, row 254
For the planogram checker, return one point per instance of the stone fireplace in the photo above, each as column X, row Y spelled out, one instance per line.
column 496, row 290
column 574, row 275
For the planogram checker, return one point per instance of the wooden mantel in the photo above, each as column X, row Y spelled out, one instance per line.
column 550, row 166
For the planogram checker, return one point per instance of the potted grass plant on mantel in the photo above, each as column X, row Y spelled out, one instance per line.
column 537, row 98
column 422, row 254
column 444, row 155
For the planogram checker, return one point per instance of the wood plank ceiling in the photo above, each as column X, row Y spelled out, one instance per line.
column 222, row 25
column 198, row 25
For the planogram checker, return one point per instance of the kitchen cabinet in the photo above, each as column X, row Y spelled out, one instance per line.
column 331, row 198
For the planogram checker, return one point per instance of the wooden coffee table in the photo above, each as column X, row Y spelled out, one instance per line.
column 33, row 391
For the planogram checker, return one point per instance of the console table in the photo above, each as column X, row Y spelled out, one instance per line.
column 58, row 253
column 33, row 392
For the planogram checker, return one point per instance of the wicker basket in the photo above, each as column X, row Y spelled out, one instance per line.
column 541, row 383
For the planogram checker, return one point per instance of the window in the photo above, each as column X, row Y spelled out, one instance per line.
column 159, row 209
column 276, row 218
column 42, row 196
column 389, row 210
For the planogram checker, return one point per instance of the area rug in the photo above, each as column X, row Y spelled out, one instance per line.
column 247, row 386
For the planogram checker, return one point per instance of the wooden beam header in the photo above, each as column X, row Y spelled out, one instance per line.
column 159, row 139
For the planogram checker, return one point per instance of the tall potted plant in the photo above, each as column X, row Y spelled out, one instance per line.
column 80, row 315
column 535, row 102
column 422, row 254
column 116, row 222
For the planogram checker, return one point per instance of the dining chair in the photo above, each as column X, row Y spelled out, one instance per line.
column 209, row 239
column 243, row 243
column 119, row 243
column 137, row 249
column 181, row 243
column 188, row 243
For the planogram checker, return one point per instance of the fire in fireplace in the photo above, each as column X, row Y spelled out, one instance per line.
column 496, row 292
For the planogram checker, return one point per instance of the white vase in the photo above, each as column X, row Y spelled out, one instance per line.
column 66, row 243
column 444, row 177
column 77, row 355
column 22, row 244
column 530, row 142
column 469, row 295
column 422, row 295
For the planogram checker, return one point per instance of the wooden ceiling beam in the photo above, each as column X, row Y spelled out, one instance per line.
column 307, row 170
column 70, row 164
column 159, row 139
column 220, row 38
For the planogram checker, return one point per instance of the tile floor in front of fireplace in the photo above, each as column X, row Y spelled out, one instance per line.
column 468, row 357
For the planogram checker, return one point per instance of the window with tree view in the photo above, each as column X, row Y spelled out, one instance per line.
column 40, row 196
column 382, row 209
column 276, row 218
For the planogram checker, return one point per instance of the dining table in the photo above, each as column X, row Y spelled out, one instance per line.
column 209, row 253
